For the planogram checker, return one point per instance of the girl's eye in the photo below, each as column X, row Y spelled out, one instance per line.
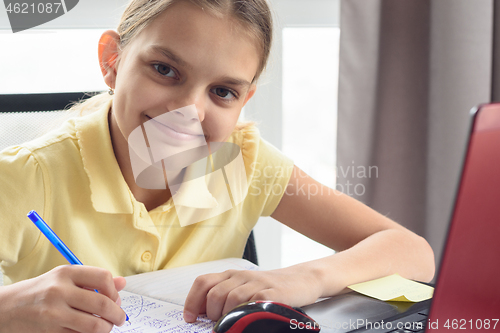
column 224, row 93
column 164, row 70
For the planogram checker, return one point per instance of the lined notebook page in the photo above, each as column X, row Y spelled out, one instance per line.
column 154, row 301
column 148, row 315
column 173, row 285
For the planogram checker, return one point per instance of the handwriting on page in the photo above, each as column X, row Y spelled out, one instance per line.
column 148, row 315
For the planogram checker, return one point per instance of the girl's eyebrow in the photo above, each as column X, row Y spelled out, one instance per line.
column 235, row 82
column 169, row 54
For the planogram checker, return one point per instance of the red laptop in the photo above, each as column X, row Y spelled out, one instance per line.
column 467, row 293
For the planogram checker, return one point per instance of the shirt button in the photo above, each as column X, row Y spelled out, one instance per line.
column 146, row 256
column 140, row 214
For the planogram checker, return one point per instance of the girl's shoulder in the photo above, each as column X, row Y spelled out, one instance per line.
column 259, row 154
column 61, row 144
column 40, row 144
column 66, row 130
column 247, row 137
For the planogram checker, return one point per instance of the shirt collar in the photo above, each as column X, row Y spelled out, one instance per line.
column 109, row 191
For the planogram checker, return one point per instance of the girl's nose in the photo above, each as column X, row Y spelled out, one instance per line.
column 194, row 98
column 189, row 113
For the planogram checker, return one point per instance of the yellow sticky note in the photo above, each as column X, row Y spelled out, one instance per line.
column 394, row 288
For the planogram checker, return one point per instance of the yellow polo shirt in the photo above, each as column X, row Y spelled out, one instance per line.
column 71, row 178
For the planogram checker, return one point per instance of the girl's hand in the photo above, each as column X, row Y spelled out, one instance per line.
column 218, row 293
column 63, row 300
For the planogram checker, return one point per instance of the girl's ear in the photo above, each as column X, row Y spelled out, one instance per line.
column 250, row 93
column 108, row 53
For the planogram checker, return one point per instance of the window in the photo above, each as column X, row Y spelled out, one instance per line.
column 310, row 77
column 29, row 65
column 27, row 62
column 296, row 106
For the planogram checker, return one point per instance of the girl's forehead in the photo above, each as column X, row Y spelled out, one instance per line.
column 196, row 37
column 186, row 20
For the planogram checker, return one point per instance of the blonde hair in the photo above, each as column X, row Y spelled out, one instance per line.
column 254, row 16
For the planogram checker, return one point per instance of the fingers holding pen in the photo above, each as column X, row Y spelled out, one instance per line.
column 84, row 298
column 105, row 303
column 57, row 301
column 120, row 283
column 73, row 287
column 91, row 302
column 78, row 321
column 92, row 278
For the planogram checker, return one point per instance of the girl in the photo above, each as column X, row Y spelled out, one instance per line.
column 167, row 55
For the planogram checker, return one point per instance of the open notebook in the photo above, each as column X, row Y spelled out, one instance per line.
column 154, row 301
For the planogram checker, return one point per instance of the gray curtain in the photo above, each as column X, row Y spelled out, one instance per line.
column 410, row 72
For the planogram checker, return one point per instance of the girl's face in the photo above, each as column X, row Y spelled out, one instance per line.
column 184, row 57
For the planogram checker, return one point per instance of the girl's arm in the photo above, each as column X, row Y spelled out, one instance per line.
column 369, row 246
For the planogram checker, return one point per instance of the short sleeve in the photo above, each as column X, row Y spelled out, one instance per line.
column 275, row 172
column 268, row 173
column 22, row 190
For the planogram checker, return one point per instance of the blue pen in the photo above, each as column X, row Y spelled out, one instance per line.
column 55, row 240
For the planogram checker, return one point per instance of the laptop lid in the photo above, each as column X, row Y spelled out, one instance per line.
column 467, row 294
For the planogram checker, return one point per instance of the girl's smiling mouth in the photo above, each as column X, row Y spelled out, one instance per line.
column 174, row 131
